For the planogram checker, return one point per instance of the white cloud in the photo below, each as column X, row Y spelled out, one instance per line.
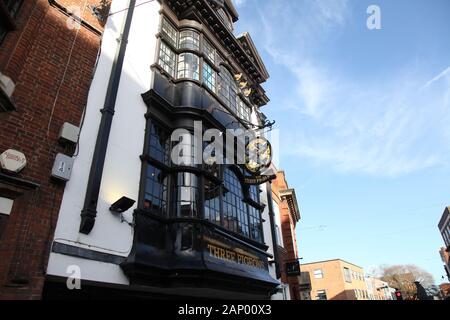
column 389, row 127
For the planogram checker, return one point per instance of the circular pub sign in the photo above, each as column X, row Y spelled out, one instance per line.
column 13, row 161
column 258, row 155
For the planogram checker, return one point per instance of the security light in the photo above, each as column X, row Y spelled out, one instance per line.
column 122, row 205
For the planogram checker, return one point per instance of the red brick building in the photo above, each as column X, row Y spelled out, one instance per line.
column 286, row 201
column 46, row 66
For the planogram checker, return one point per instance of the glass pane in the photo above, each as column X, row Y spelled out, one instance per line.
column 169, row 32
column 167, row 59
column 212, row 202
column 188, row 66
column 189, row 39
column 209, row 77
column 187, row 195
column 209, row 50
column 235, row 213
column 159, row 143
column 155, row 198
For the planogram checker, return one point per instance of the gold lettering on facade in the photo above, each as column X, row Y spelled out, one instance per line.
column 235, row 256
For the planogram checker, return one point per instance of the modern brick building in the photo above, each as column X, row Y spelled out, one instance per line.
column 336, row 280
column 47, row 62
column 378, row 289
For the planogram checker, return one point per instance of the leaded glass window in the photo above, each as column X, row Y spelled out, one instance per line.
column 209, row 50
column 167, row 59
column 254, row 193
column 189, row 39
column 187, row 195
column 169, row 32
column 188, row 66
column 209, row 77
column 212, row 202
column 235, row 216
column 244, row 111
column 255, row 224
column 155, row 197
column 159, row 143
column 228, row 89
column 183, row 151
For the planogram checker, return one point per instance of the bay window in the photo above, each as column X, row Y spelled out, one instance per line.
column 209, row 50
column 167, row 59
column 187, row 195
column 189, row 39
column 244, row 111
column 169, row 32
column 155, row 199
column 159, row 143
column 188, row 66
column 209, row 77
column 214, row 193
column 156, row 179
column 212, row 202
column 228, row 89
column 234, row 207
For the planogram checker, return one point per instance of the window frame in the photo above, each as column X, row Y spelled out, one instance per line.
column 318, row 274
column 320, row 294
column 247, row 220
column 208, row 70
column 347, row 275
column 167, row 35
column 211, row 70
column 166, row 51
column 187, row 72
column 192, row 41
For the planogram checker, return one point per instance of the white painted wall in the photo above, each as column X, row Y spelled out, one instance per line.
column 268, row 240
column 122, row 169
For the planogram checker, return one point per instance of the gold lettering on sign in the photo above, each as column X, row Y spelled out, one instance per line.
column 235, row 256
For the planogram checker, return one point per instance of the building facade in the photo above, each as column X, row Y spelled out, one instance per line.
column 190, row 229
column 444, row 228
column 47, row 60
column 336, row 280
column 445, row 257
column 378, row 289
column 287, row 214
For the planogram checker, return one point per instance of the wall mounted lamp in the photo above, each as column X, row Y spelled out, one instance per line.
column 122, row 205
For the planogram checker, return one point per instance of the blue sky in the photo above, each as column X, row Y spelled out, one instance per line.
column 364, row 123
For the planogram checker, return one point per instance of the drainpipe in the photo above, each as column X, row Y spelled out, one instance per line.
column 273, row 230
column 89, row 212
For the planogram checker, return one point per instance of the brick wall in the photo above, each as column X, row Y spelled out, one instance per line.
column 50, row 89
column 289, row 251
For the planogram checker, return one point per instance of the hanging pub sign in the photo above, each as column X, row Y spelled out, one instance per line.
column 293, row 269
column 258, row 159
